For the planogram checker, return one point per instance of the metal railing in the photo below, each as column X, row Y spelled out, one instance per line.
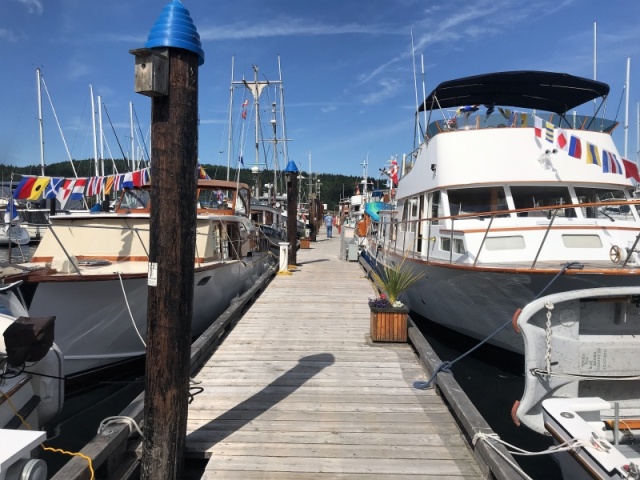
column 399, row 239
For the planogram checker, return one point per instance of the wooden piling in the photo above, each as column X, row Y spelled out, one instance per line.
column 174, row 123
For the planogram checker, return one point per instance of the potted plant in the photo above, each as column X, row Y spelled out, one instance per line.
column 388, row 313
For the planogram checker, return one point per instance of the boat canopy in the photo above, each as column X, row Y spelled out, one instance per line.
column 548, row 91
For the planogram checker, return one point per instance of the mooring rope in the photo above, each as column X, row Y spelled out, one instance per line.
column 425, row 385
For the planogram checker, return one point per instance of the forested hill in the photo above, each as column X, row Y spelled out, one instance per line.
column 332, row 187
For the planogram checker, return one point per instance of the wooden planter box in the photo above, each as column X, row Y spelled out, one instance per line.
column 305, row 243
column 389, row 324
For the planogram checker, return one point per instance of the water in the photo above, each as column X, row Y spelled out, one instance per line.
column 493, row 379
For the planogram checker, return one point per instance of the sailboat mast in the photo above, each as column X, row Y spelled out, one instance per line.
column 39, row 81
column 283, row 124
column 230, row 137
column 256, row 102
column 131, row 155
column 626, row 110
column 274, row 125
column 93, row 125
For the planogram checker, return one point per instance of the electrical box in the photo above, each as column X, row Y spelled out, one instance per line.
column 151, row 72
column 352, row 252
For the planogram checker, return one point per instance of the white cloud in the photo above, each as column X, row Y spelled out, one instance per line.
column 33, row 6
column 387, row 89
column 8, row 35
column 282, row 27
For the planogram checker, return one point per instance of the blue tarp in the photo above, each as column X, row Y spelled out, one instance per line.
column 372, row 209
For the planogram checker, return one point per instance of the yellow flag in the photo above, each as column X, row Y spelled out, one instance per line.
column 38, row 188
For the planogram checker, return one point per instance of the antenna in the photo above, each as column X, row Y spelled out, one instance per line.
column 415, row 87
column 626, row 110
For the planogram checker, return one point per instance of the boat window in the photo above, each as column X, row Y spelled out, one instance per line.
column 404, row 205
column 598, row 195
column 436, row 207
column 475, row 200
column 242, row 204
column 218, row 198
column 536, row 196
column 581, row 241
column 135, row 199
column 458, row 245
column 515, row 242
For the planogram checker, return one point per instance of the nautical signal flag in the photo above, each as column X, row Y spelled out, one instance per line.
column 11, row 213
column 537, row 126
column 23, row 190
column 610, row 163
column 543, row 128
column 548, row 131
column 108, row 184
column 593, row 154
column 38, row 187
column 127, row 180
column 51, row 190
column 77, row 192
column 631, row 169
column 575, row 147
column 64, row 192
column 561, row 140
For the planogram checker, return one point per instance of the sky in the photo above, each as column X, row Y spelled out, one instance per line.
column 351, row 70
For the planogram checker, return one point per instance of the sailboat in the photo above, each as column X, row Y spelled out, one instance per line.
column 269, row 204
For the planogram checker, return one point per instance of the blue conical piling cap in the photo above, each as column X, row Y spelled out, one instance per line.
column 175, row 28
column 291, row 167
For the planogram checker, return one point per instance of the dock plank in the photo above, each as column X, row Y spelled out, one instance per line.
column 297, row 390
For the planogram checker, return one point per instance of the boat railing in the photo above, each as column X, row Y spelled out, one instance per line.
column 405, row 235
column 504, row 118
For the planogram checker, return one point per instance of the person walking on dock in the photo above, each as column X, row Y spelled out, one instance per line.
column 328, row 221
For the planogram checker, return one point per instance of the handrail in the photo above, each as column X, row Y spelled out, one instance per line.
column 486, row 233
column 632, row 249
column 551, row 213
column 544, row 239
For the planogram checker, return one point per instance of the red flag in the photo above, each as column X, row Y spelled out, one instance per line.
column 562, row 139
column 631, row 169
column 24, row 188
column 244, row 114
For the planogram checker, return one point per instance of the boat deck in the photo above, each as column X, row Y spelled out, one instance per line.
column 298, row 390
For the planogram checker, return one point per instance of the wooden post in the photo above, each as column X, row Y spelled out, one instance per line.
column 313, row 222
column 291, row 175
column 174, row 155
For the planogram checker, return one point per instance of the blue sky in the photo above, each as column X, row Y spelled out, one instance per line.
column 347, row 67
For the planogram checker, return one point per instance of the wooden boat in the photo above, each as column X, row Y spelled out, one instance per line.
column 512, row 196
column 91, row 272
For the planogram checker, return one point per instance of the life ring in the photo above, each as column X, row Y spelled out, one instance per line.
column 615, row 254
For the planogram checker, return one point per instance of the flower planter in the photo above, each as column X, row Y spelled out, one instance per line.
column 305, row 243
column 389, row 324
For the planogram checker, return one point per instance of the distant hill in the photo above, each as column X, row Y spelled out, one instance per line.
column 332, row 187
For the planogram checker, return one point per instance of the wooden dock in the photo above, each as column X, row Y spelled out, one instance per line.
column 297, row 390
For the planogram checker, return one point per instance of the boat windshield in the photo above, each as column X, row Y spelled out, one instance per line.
column 219, row 198
column 505, row 118
column 135, row 199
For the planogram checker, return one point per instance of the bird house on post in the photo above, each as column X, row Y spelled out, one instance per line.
column 151, row 72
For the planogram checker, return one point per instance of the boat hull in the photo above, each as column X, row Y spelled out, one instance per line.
column 94, row 328
column 479, row 302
